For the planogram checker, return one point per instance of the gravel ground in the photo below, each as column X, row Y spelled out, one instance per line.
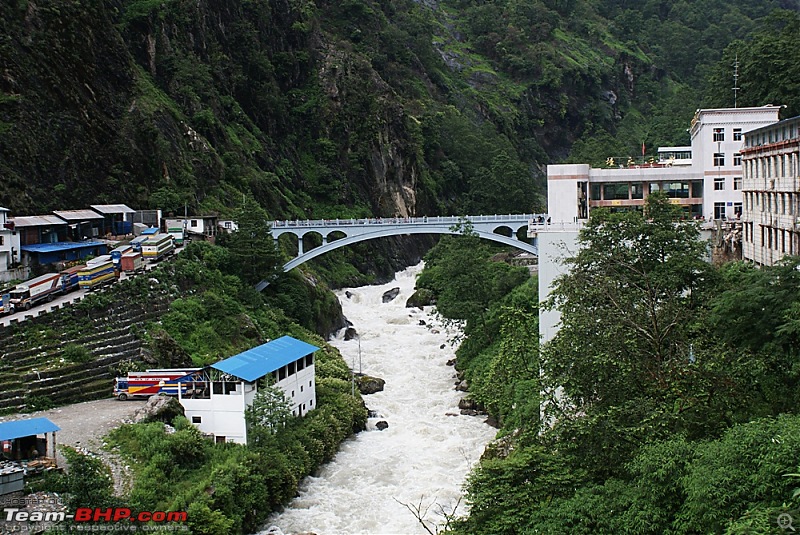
column 83, row 426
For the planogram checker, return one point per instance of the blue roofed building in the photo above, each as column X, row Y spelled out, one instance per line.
column 216, row 398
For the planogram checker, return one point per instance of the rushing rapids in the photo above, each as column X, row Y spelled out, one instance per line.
column 382, row 482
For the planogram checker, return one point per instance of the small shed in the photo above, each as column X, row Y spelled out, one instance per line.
column 117, row 218
column 51, row 253
column 82, row 223
column 39, row 229
column 21, row 439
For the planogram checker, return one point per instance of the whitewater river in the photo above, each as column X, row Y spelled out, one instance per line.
column 422, row 459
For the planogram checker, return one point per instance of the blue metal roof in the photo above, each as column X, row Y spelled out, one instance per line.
column 26, row 428
column 255, row 363
column 150, row 231
column 60, row 246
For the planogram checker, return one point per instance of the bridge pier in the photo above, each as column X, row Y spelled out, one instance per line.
column 300, row 245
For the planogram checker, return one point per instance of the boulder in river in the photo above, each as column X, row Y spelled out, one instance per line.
column 383, row 424
column 348, row 294
column 463, row 386
column 350, row 333
column 389, row 295
column 369, row 385
column 421, row 298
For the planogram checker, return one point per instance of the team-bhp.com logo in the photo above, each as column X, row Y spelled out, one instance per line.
column 95, row 514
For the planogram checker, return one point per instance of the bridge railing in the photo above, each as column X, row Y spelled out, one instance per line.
column 434, row 220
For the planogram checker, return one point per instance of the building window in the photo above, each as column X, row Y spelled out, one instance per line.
column 193, row 223
column 719, row 159
column 196, row 419
column 737, row 134
column 291, row 368
column 697, row 189
column 301, row 388
column 2, row 238
column 292, row 393
column 737, row 159
column 615, row 192
column 594, row 194
column 677, row 190
column 737, row 209
column 300, row 362
column 282, row 373
column 309, row 360
column 311, row 402
column 719, row 210
column 309, row 383
column 637, row 191
column 719, row 184
column 737, row 183
column 719, row 134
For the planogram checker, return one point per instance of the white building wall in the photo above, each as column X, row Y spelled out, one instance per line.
column 563, row 194
column 9, row 250
column 555, row 245
column 300, row 389
column 704, row 147
column 222, row 415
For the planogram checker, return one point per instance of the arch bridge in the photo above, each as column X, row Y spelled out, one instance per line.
column 358, row 230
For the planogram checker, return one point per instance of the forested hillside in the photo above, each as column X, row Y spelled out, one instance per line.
column 327, row 109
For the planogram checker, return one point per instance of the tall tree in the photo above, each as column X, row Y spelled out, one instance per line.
column 623, row 361
column 253, row 250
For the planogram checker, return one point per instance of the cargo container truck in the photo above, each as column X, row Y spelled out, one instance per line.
column 69, row 279
column 98, row 271
column 131, row 262
column 151, row 382
column 29, row 293
column 157, row 247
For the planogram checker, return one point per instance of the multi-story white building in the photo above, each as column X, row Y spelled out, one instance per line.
column 216, row 398
column 705, row 179
column 9, row 250
column 771, row 186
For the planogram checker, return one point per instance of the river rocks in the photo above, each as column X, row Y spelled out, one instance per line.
column 422, row 323
column 467, row 403
column 158, row 409
column 350, row 333
column 389, row 295
column 450, row 362
column 421, row 298
column 463, row 386
column 369, row 385
column 492, row 421
column 348, row 294
column 383, row 424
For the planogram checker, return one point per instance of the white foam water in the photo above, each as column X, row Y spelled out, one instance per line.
column 422, row 459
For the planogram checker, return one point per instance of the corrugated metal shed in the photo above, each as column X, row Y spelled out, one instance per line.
column 255, row 363
column 78, row 215
column 60, row 246
column 109, row 209
column 36, row 221
column 26, row 428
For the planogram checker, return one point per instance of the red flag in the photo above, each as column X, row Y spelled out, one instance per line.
column 642, row 148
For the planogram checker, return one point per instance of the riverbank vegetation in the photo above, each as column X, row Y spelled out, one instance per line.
column 668, row 397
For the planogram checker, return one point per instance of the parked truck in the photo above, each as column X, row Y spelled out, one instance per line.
column 32, row 292
column 5, row 301
column 69, row 279
column 98, row 271
column 151, row 382
column 157, row 247
column 131, row 262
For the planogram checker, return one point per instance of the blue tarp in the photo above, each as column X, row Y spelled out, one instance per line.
column 26, row 428
column 266, row 358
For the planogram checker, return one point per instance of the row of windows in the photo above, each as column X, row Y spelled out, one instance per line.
column 293, row 367
column 783, row 165
column 624, row 190
column 779, row 239
column 787, row 130
column 719, row 183
column 719, row 159
column 719, row 134
column 774, row 203
column 301, row 388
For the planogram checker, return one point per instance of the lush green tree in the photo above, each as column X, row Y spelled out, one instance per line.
column 252, row 248
column 269, row 412
column 622, row 366
column 88, row 482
